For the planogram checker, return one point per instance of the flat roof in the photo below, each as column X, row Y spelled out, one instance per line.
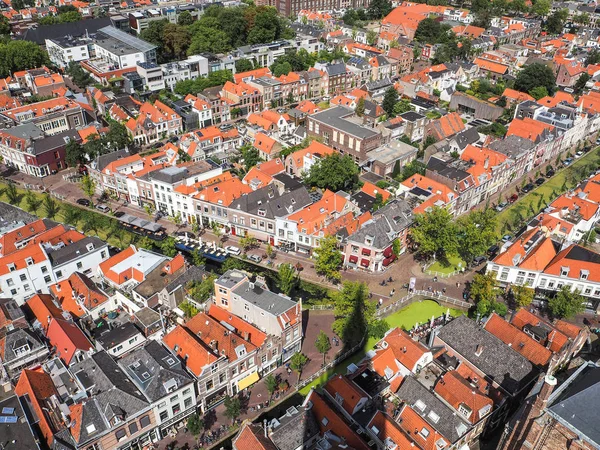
column 336, row 118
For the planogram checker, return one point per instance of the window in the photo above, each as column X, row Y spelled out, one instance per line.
column 145, row 421
column 263, row 359
column 59, row 273
column 464, row 411
column 274, row 352
column 121, row 434
column 174, row 398
column 187, row 391
column 420, row 405
column 433, row 416
column 176, row 409
column 44, row 269
column 164, row 415
column 26, row 287
column 47, row 279
column 79, row 265
column 209, row 385
column 10, row 282
column 222, row 377
column 13, row 292
column 187, row 402
column 424, row 432
column 324, row 421
column 133, row 428
column 102, row 255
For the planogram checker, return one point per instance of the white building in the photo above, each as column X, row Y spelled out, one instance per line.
column 122, row 49
column 152, row 74
column 64, row 50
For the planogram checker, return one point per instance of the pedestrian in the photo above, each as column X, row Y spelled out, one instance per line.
column 380, row 301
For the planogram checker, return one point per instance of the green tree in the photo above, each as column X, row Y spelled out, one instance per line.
column 371, row 37
column 297, row 363
column 593, row 57
column 282, row 68
column 436, row 234
column 185, row 18
column 5, row 27
column 329, row 259
column 74, row 153
column 79, row 76
column 70, row 214
column 556, row 21
column 535, row 75
column 146, row 243
column 50, row 206
column 538, row 92
column 581, row 82
column 522, row 295
column 287, row 278
column 333, row 172
column 32, row 202
column 483, row 290
column 88, row 186
column 322, row 344
column 18, row 55
column 251, row 156
column 117, row 137
column 248, row 242
column 378, row 9
column 271, row 384
column 232, row 407
column 566, row 303
column 402, row 106
column 390, row 99
column 168, row 247
column 243, row 65
column 360, row 107
column 195, row 424
column 477, row 231
column 176, row 40
column 428, row 31
column 202, row 290
column 12, row 194
column 188, row 309
column 541, row 7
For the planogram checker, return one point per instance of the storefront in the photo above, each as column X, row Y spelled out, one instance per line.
column 214, row 399
column 247, row 381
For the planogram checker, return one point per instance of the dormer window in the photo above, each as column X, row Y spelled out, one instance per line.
column 90, row 247
column 564, row 271
column 464, row 410
column 424, row 432
column 584, row 274
column 420, row 405
column 29, row 261
column 12, row 267
column 433, row 416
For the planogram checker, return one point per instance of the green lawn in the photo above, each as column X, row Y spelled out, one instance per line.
column 453, row 266
column 530, row 204
column 323, row 105
column 120, row 239
column 406, row 318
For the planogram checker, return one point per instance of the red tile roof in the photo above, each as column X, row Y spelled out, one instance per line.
column 406, row 350
column 67, row 338
column 350, row 393
column 248, row 331
column 457, row 391
column 252, row 437
column 524, row 317
column 388, row 429
column 42, row 306
column 413, row 424
column 190, row 349
column 521, row 342
column 329, row 420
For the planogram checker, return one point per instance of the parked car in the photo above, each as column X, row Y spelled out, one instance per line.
column 540, row 181
column 513, row 198
column 493, row 251
column 501, row 206
column 506, row 238
column 567, row 161
column 478, row 260
column 105, row 209
column 528, row 187
column 550, row 173
column 119, row 214
column 579, row 154
column 255, row 258
column 233, row 250
column 83, row 202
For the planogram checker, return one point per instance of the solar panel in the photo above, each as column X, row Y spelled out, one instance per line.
column 6, row 410
column 128, row 39
column 8, row 419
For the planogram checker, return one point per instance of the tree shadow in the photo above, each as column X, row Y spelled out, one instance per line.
column 210, row 418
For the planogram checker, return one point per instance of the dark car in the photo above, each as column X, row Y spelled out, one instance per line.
column 478, row 260
column 540, row 181
column 83, row 202
column 550, row 173
column 119, row 214
column 528, row 187
column 493, row 251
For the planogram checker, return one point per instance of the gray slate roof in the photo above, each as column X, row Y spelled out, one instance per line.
column 335, row 118
column 17, row 338
column 75, row 250
column 153, row 368
column 450, row 424
column 10, row 213
column 497, row 360
column 112, row 391
column 295, row 428
column 268, row 200
column 386, row 222
column 266, row 300
column 576, row 403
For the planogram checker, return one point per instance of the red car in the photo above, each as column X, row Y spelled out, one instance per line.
column 513, row 198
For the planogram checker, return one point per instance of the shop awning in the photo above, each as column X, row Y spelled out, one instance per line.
column 388, row 252
column 364, row 262
column 366, row 252
column 248, row 381
column 353, row 259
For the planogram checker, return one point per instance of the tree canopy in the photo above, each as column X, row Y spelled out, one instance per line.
column 329, row 259
column 196, row 85
column 18, row 55
column 535, row 75
column 334, row 172
column 436, row 233
column 79, row 76
column 566, row 303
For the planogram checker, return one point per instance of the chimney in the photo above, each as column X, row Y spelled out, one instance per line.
column 265, row 428
column 545, row 391
column 479, row 350
column 404, row 349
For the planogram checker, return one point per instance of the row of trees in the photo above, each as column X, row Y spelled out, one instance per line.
column 430, row 31
column 218, row 30
column 377, row 10
column 439, row 236
column 20, row 55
